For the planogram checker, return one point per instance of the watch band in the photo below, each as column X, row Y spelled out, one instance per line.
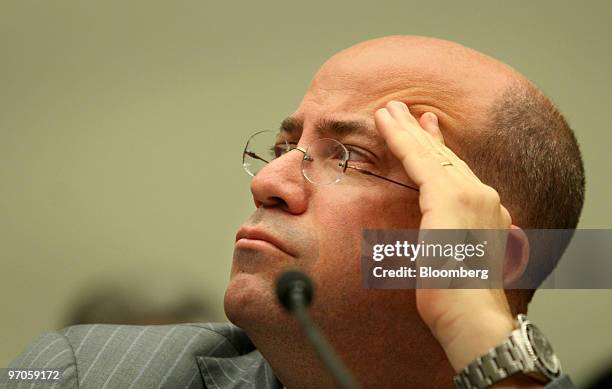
column 492, row 367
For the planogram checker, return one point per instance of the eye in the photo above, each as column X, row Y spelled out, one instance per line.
column 358, row 155
column 281, row 149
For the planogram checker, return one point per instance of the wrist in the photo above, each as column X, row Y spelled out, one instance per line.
column 472, row 337
column 524, row 359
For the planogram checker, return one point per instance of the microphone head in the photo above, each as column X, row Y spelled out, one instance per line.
column 293, row 283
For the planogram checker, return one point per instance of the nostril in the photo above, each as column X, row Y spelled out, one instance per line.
column 275, row 201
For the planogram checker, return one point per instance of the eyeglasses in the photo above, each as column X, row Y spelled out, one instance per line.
column 325, row 160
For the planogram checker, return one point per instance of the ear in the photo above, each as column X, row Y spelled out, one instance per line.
column 517, row 256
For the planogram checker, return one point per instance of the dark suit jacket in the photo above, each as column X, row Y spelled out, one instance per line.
column 176, row 356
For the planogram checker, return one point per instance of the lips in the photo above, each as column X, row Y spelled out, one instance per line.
column 259, row 234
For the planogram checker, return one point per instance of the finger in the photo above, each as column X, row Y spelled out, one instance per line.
column 460, row 163
column 400, row 112
column 429, row 122
column 418, row 158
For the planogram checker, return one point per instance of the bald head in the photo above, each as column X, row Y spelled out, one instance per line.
column 456, row 83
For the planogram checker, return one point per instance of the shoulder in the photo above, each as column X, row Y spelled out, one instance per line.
column 202, row 338
column 138, row 356
column 50, row 350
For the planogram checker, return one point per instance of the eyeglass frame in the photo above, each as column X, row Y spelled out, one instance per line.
column 345, row 163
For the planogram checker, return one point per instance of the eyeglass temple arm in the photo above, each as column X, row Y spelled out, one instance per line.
column 369, row 173
column 254, row 155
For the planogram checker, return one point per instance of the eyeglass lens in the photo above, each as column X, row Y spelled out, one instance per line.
column 323, row 163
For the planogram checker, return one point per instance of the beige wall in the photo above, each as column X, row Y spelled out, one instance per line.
column 121, row 125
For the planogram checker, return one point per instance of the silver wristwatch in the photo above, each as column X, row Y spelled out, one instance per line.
column 525, row 351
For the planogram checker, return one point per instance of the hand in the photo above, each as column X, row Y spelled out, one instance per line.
column 466, row 322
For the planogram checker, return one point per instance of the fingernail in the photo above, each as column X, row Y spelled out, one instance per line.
column 434, row 118
column 400, row 105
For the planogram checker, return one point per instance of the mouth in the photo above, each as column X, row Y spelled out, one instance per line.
column 258, row 237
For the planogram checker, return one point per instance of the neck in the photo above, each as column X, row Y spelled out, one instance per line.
column 387, row 356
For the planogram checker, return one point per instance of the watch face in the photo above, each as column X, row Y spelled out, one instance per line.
column 542, row 349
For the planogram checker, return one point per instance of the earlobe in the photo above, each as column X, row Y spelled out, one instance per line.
column 517, row 256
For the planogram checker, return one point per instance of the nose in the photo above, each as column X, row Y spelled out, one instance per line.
column 281, row 184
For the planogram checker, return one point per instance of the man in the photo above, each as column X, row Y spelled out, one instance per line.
column 427, row 113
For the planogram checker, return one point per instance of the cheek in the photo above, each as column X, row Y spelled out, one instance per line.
column 342, row 215
column 340, row 221
column 351, row 209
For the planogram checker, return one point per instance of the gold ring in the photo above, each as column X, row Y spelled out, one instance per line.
column 446, row 163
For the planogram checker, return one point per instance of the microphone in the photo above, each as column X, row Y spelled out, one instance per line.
column 294, row 291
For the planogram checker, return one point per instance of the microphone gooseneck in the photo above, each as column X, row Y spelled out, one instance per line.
column 295, row 291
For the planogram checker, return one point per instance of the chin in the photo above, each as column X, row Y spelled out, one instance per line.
column 250, row 301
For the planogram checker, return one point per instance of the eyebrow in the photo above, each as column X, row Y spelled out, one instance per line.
column 293, row 126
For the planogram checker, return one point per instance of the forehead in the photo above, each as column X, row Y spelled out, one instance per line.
column 344, row 104
column 353, row 94
column 455, row 83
